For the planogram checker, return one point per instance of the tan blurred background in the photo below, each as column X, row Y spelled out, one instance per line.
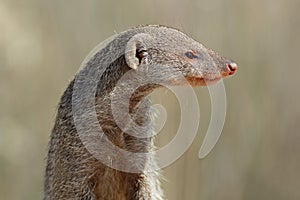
column 42, row 44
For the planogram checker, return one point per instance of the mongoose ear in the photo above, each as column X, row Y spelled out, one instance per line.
column 136, row 49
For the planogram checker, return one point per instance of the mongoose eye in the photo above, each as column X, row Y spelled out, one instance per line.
column 191, row 55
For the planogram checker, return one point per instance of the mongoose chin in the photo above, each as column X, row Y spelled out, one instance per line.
column 157, row 53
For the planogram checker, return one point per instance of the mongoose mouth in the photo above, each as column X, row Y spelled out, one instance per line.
column 200, row 81
column 196, row 81
column 209, row 79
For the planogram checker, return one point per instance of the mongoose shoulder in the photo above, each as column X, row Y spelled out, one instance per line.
column 162, row 54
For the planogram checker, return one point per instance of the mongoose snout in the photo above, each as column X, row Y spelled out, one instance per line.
column 226, row 69
column 232, row 67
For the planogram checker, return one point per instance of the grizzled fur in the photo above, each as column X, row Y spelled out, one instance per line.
column 71, row 171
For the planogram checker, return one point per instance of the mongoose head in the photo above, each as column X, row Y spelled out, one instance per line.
column 170, row 48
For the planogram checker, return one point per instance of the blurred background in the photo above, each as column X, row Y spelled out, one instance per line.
column 42, row 44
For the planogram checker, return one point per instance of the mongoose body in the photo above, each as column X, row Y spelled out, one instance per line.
column 72, row 172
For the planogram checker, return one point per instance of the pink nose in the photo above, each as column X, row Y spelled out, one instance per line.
column 232, row 67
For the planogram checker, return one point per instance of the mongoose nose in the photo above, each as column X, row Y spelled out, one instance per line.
column 232, row 67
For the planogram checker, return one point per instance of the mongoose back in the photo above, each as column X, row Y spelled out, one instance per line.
column 72, row 172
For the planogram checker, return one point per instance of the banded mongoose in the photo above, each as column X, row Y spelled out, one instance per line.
column 72, row 172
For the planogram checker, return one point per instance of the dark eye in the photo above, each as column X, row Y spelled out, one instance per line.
column 191, row 55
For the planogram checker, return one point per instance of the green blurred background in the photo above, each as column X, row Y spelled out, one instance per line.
column 42, row 44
